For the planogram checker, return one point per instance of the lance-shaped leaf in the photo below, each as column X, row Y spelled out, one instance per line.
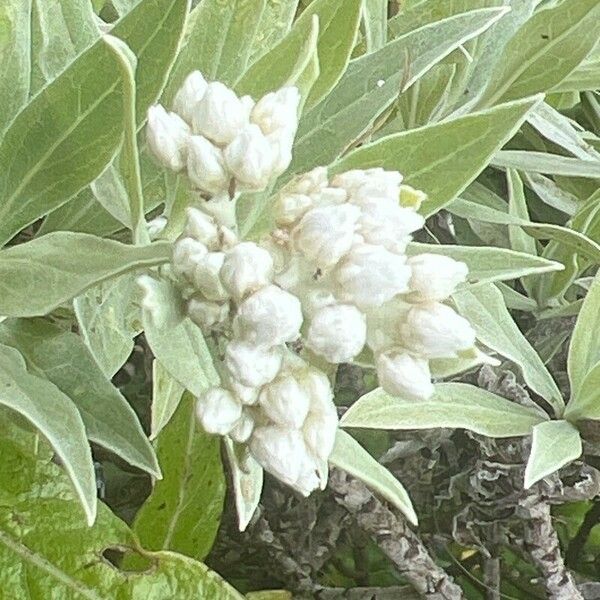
column 554, row 445
column 49, row 551
column 166, row 395
column 38, row 276
column 483, row 306
column 68, row 132
column 456, row 405
column 56, row 417
column 487, row 264
column 351, row 457
column 585, row 403
column 443, row 159
column 184, row 510
column 551, row 164
column 62, row 358
column 175, row 341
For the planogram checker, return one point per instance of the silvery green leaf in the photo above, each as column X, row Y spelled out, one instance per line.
column 247, row 477
column 15, row 60
column 550, row 164
column 487, row 264
column 56, row 417
column 442, row 368
column 585, row 77
column 62, row 358
column 371, row 83
column 584, row 350
column 166, row 395
column 515, row 300
column 544, row 51
column 551, row 194
column 456, row 405
column 275, row 22
column 109, row 318
column 483, row 306
column 38, row 276
column 554, row 445
column 351, row 457
column 585, row 401
column 175, row 341
column 375, row 17
column 444, row 158
column 64, row 138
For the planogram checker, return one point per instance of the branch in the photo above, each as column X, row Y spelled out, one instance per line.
column 395, row 538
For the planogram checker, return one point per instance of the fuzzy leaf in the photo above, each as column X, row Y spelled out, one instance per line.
column 554, row 445
column 351, row 457
column 456, row 405
column 166, row 395
column 38, row 276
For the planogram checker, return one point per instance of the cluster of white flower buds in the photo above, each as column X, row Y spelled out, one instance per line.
column 269, row 398
column 340, row 247
column 222, row 141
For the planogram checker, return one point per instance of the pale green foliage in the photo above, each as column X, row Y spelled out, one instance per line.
column 488, row 106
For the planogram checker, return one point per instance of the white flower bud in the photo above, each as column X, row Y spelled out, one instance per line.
column 290, row 208
column 283, row 453
column 206, row 277
column 251, row 365
column 206, row 166
column 245, row 394
column 250, row 158
column 309, row 183
column 269, row 317
column 189, row 94
column 243, row 428
column 167, row 136
column 325, row 234
column 436, row 331
column 277, row 110
column 319, row 434
column 281, row 143
column 371, row 182
column 434, row 276
column 218, row 411
column 403, row 375
column 202, row 227
column 384, row 222
column 247, row 267
column 371, row 275
column 337, row 333
column 220, row 115
column 187, row 253
column 207, row 314
column 321, row 394
column 156, row 226
column 329, row 196
column 316, row 299
column 285, row 401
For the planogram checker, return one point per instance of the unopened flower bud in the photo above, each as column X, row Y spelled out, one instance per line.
column 247, row 267
column 250, row 158
column 218, row 411
column 285, row 401
column 434, row 276
column 252, row 365
column 206, row 165
column 281, row 143
column 319, row 434
column 167, row 135
column 202, row 227
column 325, row 234
column 436, row 331
column 207, row 314
column 371, row 275
column 309, row 183
column 337, row 333
column 283, row 453
column 403, row 375
column 220, row 115
column 370, row 182
column 247, row 395
column 269, row 317
column 277, row 110
column 290, row 208
column 188, row 96
column 187, row 253
column 207, row 279
column 243, row 428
